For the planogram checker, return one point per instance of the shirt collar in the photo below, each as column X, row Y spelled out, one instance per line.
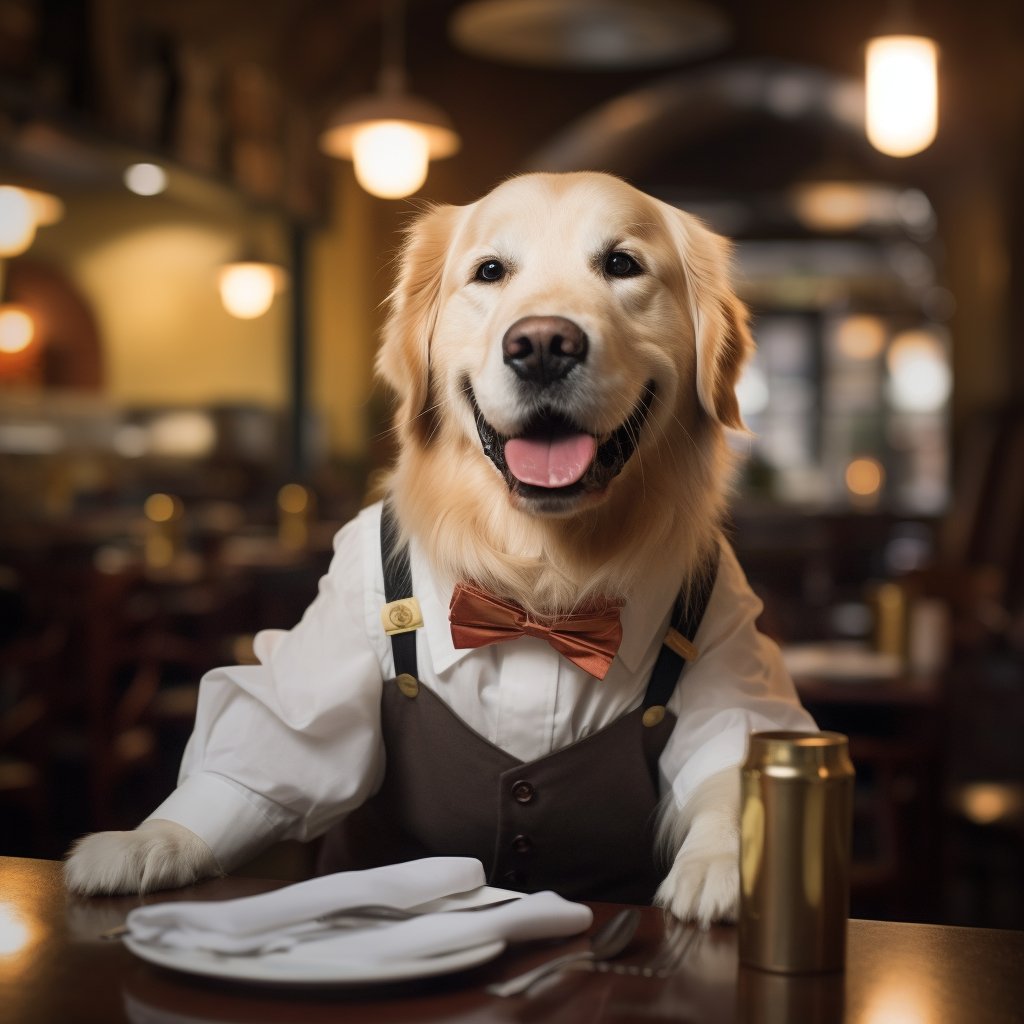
column 434, row 597
column 644, row 617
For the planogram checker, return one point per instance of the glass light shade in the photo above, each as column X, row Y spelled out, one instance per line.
column 17, row 329
column 902, row 94
column 391, row 137
column 391, row 158
column 247, row 289
column 17, row 221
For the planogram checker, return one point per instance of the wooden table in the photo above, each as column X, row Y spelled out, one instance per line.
column 55, row 970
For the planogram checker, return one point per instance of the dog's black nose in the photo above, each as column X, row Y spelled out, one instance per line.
column 543, row 349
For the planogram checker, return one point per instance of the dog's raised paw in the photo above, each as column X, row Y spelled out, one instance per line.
column 157, row 855
column 702, row 888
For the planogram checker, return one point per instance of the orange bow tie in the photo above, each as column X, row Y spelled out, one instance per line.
column 589, row 638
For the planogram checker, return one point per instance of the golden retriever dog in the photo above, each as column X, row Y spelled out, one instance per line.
column 565, row 353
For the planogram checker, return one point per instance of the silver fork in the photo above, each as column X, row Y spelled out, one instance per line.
column 608, row 941
column 679, row 940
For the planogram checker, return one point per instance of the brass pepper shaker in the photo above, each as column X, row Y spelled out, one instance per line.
column 795, row 829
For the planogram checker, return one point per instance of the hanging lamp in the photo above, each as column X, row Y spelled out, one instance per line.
column 391, row 136
column 901, row 86
column 249, row 283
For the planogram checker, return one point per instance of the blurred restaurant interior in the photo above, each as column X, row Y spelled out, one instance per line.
column 172, row 473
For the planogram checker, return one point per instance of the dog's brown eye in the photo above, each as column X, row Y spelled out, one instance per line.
column 620, row 264
column 491, row 270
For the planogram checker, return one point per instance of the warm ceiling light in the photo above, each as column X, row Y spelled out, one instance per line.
column 247, row 287
column 145, row 179
column 391, row 136
column 391, row 158
column 902, row 93
column 17, row 221
column 17, row 329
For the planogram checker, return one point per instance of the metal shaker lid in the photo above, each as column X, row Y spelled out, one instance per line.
column 798, row 753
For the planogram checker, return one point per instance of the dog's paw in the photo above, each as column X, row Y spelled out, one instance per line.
column 702, row 887
column 703, row 884
column 157, row 855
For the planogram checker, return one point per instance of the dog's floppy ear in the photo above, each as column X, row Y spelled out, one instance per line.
column 720, row 320
column 403, row 360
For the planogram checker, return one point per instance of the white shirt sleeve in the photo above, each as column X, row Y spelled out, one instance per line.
column 285, row 748
column 736, row 686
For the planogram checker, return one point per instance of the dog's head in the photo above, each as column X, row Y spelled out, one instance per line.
column 563, row 330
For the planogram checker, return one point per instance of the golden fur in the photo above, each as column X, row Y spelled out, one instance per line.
column 679, row 323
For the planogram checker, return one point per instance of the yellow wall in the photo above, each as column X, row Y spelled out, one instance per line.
column 347, row 280
column 148, row 267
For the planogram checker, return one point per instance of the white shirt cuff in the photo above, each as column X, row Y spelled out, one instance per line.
column 233, row 821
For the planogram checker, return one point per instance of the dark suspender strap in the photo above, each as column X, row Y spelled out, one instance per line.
column 686, row 618
column 397, row 585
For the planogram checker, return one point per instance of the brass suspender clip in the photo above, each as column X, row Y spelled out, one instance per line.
column 678, row 643
column 401, row 616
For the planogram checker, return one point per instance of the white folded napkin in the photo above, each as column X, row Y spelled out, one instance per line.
column 542, row 915
column 278, row 919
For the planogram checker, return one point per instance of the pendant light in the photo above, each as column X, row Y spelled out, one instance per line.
column 248, row 285
column 901, row 83
column 390, row 135
column 17, row 221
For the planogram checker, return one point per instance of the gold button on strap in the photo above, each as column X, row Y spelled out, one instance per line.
column 409, row 685
column 678, row 643
column 653, row 715
column 401, row 616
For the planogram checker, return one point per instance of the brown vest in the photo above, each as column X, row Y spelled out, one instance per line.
column 580, row 821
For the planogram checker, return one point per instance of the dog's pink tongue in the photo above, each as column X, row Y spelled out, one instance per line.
column 557, row 462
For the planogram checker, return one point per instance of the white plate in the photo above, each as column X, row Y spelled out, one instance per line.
column 276, row 969
column 288, row 968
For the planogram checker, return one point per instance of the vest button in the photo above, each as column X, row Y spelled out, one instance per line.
column 522, row 844
column 653, row 715
column 523, row 791
column 409, row 685
column 513, row 877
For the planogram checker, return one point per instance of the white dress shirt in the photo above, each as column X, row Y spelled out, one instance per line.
column 286, row 748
